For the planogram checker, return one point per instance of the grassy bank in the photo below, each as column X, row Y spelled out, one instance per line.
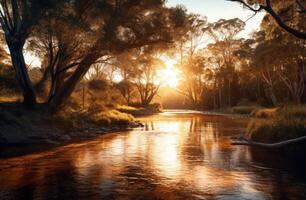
column 20, row 126
column 279, row 124
column 245, row 110
column 139, row 110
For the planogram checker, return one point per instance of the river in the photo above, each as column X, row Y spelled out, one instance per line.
column 177, row 155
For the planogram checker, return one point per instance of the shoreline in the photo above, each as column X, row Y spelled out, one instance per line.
column 45, row 139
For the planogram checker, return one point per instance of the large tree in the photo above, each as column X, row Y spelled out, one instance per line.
column 18, row 18
column 82, row 33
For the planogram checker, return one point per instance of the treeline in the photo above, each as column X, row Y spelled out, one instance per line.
column 111, row 51
column 266, row 69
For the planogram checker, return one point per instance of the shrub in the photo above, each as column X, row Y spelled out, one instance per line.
column 271, row 131
column 293, row 111
column 111, row 117
column 244, row 109
column 278, row 124
column 266, row 113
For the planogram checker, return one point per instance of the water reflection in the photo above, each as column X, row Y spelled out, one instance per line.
column 175, row 156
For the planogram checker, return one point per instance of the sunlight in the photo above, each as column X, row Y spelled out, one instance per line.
column 169, row 76
column 117, row 78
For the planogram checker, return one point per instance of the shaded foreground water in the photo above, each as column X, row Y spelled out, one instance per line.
column 175, row 156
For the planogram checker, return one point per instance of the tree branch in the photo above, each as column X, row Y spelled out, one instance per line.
column 268, row 8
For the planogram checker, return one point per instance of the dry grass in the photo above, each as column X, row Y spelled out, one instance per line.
column 139, row 111
column 271, row 131
column 286, row 112
column 278, row 124
column 245, row 110
column 111, row 117
column 265, row 113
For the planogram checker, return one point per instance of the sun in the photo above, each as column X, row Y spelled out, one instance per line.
column 169, row 76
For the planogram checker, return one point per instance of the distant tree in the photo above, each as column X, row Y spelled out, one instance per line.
column 127, row 65
column 190, row 62
column 147, row 82
column 224, row 33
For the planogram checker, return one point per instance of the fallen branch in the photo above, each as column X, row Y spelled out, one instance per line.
column 245, row 141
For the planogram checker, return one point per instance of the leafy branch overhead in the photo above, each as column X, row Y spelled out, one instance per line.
column 276, row 12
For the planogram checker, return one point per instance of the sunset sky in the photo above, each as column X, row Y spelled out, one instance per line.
column 217, row 9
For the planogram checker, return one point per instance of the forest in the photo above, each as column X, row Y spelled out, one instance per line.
column 150, row 99
column 100, row 62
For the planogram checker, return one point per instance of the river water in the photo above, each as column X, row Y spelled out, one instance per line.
column 175, row 156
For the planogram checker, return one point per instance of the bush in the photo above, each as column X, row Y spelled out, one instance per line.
column 111, row 117
column 277, row 124
column 271, row 131
column 266, row 113
column 244, row 109
column 286, row 112
column 293, row 111
column 97, row 107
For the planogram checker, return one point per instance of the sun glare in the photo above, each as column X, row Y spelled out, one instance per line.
column 169, row 76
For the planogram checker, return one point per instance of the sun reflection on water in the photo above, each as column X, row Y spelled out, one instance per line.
column 187, row 157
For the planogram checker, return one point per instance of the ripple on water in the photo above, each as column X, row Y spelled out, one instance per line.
column 175, row 156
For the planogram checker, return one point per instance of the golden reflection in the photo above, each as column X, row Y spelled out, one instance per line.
column 188, row 154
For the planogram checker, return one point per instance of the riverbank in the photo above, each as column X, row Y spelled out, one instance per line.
column 273, row 128
column 30, row 127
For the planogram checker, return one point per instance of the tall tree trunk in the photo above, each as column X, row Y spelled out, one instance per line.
column 270, row 93
column 229, row 93
column 16, row 51
column 69, row 85
column 220, row 98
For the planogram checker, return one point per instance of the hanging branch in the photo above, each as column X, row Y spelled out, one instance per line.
column 268, row 8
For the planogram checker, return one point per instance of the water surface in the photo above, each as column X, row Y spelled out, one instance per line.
column 175, row 156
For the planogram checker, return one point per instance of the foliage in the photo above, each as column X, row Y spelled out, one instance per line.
column 244, row 109
column 278, row 124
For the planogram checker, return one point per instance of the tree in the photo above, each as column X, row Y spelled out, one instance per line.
column 18, row 18
column 191, row 63
column 126, row 25
column 80, row 34
column 280, row 11
column 126, row 63
column 223, row 50
column 147, row 82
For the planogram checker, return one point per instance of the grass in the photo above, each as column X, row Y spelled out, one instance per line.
column 111, row 117
column 272, row 131
column 279, row 124
column 245, row 110
column 17, row 124
column 138, row 111
column 276, row 124
column 286, row 112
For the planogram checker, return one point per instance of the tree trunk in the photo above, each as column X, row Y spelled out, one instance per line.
column 69, row 85
column 16, row 52
column 220, row 98
column 270, row 93
column 229, row 94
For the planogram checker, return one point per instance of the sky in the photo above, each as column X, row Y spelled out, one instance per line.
column 217, row 9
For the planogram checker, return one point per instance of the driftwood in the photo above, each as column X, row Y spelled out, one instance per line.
column 241, row 140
